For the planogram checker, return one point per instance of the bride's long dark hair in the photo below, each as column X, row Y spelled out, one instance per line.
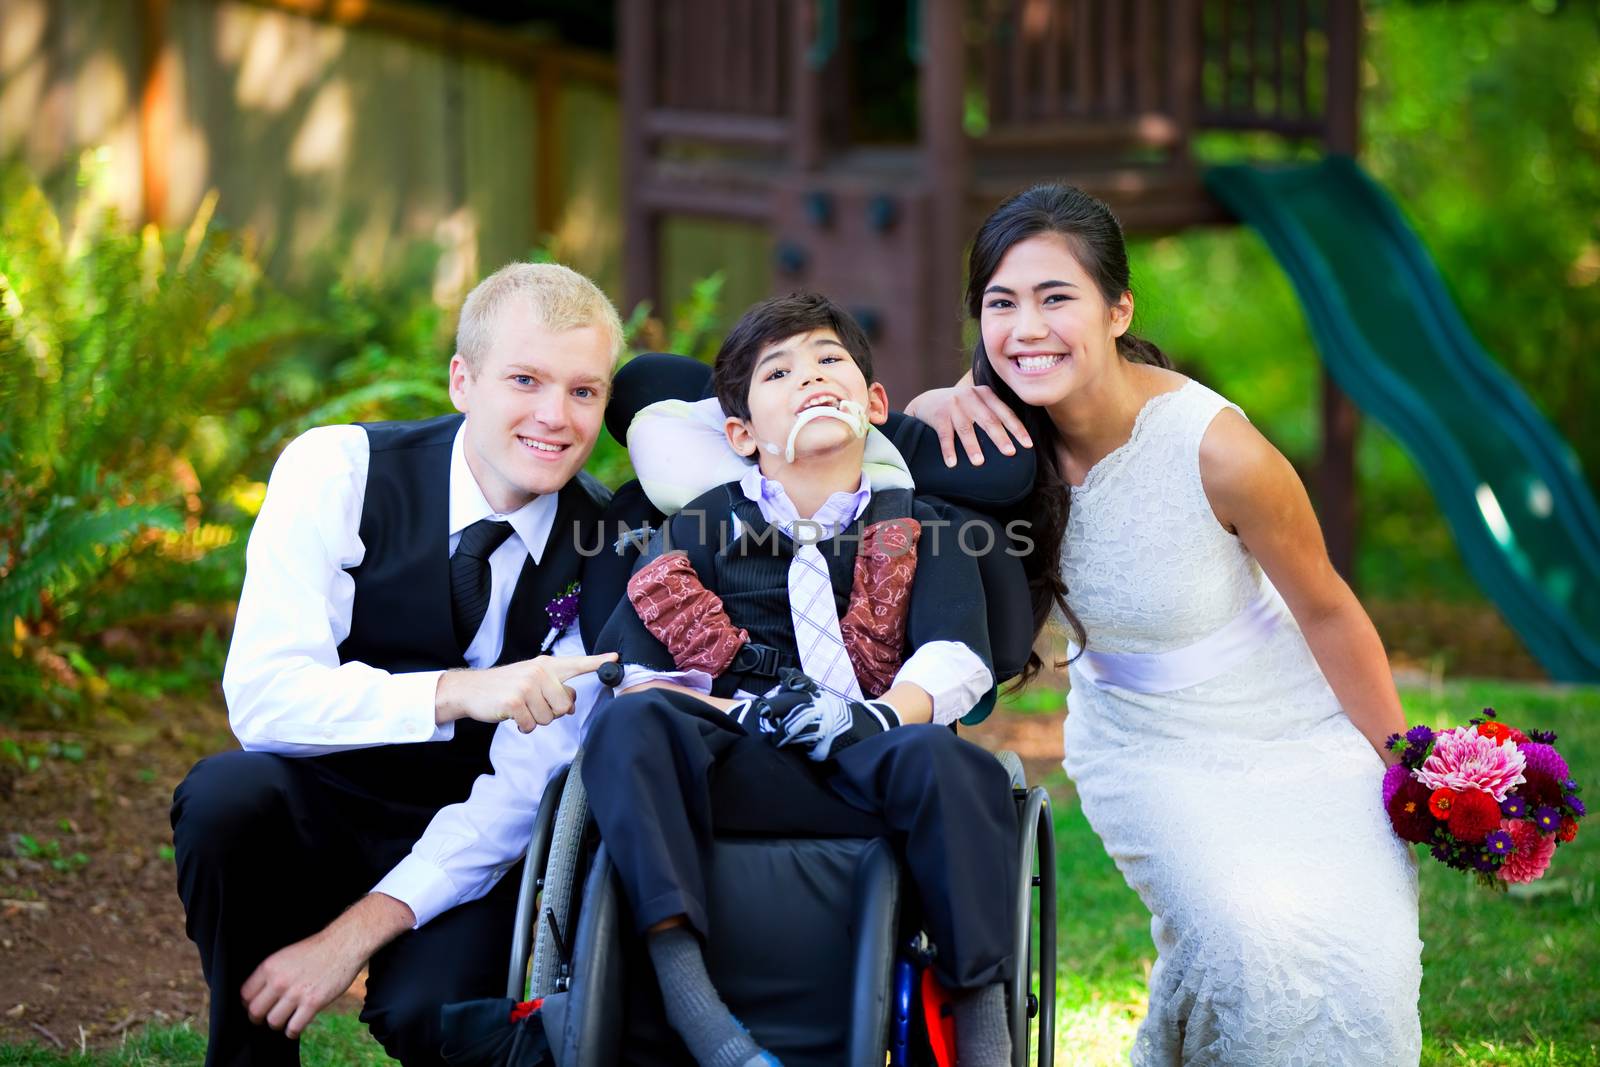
column 1095, row 237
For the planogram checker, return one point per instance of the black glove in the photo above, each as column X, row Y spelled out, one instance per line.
column 802, row 713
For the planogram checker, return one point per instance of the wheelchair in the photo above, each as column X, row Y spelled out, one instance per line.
column 570, row 922
column 811, row 989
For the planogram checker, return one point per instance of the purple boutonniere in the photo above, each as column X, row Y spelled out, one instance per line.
column 563, row 612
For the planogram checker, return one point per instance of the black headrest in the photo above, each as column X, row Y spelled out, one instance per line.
column 1000, row 482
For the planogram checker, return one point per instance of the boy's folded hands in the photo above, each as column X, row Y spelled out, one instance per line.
column 800, row 712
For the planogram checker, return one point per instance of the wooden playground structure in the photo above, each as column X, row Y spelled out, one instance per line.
column 870, row 139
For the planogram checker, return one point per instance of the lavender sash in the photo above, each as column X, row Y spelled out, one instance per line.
column 1166, row 672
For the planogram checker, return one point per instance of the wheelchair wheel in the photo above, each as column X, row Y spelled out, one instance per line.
column 1036, row 914
column 1013, row 765
column 532, row 881
column 555, row 923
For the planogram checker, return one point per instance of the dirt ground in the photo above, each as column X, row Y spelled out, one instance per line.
column 91, row 931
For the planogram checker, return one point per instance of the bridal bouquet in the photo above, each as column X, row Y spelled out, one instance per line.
column 1486, row 798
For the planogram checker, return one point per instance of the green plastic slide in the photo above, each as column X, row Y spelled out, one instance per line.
column 1510, row 487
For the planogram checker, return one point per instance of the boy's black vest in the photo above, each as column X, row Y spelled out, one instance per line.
column 400, row 620
column 751, row 574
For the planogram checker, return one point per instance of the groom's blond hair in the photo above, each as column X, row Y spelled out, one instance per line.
column 560, row 299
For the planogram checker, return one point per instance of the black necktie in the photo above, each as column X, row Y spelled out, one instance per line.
column 469, row 576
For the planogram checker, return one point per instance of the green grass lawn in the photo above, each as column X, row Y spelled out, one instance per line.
column 331, row 1041
column 1508, row 980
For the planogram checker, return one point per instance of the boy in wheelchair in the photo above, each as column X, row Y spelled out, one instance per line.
column 795, row 644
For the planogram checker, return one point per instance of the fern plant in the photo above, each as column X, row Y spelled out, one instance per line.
column 149, row 380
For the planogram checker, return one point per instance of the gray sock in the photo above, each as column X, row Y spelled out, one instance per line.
column 983, row 1034
column 694, row 1009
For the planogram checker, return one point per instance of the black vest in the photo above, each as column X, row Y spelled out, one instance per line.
column 400, row 619
column 751, row 574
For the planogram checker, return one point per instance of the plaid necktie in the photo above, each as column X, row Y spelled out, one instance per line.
column 469, row 576
column 816, row 623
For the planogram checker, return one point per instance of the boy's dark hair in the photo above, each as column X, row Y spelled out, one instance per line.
column 773, row 320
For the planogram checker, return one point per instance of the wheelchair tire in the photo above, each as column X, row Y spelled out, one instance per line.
column 554, row 924
column 1036, row 845
column 533, row 865
column 1013, row 765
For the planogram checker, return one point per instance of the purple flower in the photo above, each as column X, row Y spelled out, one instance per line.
column 1576, row 805
column 1498, row 843
column 1546, row 760
column 1393, row 779
column 1513, row 807
column 1485, row 861
column 1543, row 737
column 1548, row 820
column 563, row 610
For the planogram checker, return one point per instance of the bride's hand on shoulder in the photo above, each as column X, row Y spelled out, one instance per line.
column 959, row 411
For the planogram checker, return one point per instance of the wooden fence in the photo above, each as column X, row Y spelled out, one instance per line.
column 355, row 124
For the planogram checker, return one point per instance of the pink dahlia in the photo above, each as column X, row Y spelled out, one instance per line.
column 1464, row 759
column 1530, row 851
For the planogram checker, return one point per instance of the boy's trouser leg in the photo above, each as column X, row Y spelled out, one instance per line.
column 949, row 805
column 647, row 765
column 663, row 768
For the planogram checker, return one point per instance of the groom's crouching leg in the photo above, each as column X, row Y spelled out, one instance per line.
column 459, row 956
column 247, row 884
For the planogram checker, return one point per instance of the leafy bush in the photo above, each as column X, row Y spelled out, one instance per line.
column 151, row 377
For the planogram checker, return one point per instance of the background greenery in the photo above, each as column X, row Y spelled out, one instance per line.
column 1482, row 120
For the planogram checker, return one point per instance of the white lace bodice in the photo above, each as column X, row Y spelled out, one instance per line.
column 1147, row 565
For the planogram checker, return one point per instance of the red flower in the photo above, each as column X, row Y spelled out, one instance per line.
column 1497, row 730
column 1442, row 800
column 1541, row 790
column 1473, row 814
column 1569, row 830
column 1517, row 735
column 1408, row 811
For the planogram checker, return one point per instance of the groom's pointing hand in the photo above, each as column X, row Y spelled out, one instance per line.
column 533, row 693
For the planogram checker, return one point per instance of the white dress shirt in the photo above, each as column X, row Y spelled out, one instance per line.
column 288, row 693
column 952, row 675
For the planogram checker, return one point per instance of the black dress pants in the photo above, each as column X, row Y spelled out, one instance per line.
column 663, row 770
column 270, row 849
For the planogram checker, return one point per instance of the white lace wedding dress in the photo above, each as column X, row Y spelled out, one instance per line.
column 1245, row 809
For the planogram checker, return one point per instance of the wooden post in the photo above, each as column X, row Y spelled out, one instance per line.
column 1186, row 44
column 636, row 32
column 548, row 138
column 1336, row 477
column 944, row 142
column 805, row 86
column 155, row 110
